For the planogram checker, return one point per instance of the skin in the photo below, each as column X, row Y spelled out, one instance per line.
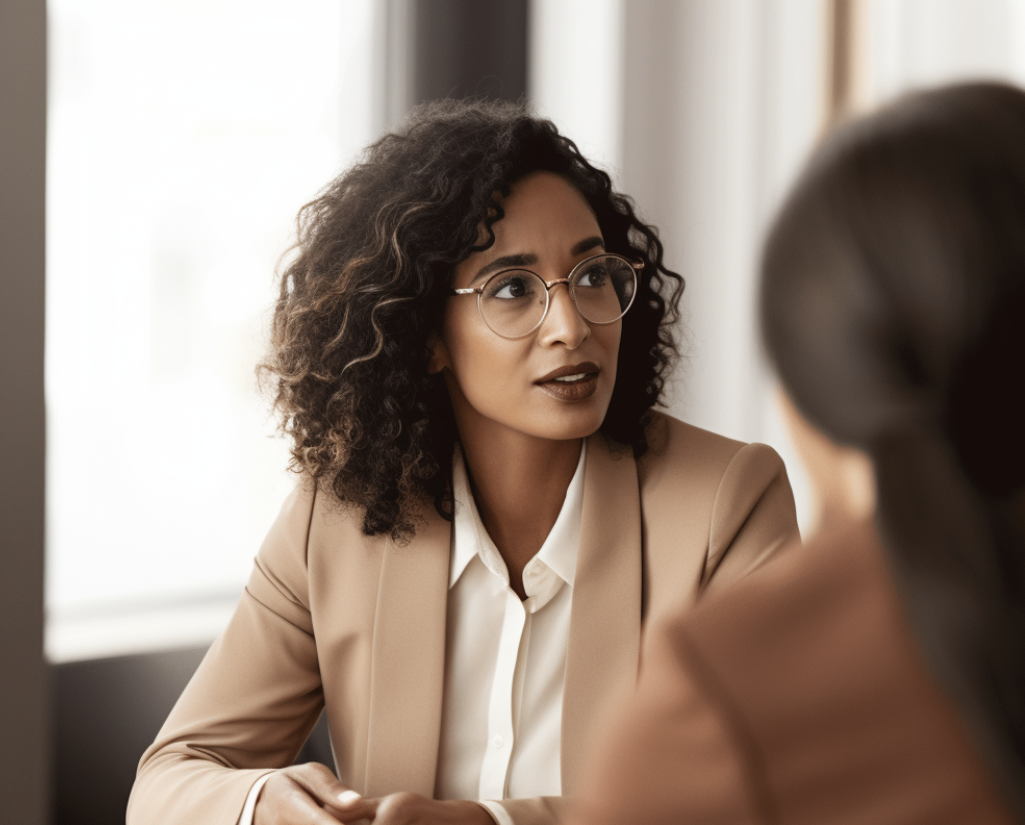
column 521, row 443
column 311, row 795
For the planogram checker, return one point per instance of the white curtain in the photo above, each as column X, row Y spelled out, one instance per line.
column 914, row 43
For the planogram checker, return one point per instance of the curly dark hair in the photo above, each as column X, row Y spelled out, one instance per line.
column 365, row 289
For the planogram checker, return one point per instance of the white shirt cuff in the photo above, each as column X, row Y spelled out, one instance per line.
column 247, row 811
column 498, row 813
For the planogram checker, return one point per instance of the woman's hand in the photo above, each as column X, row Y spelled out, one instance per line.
column 309, row 794
column 413, row 809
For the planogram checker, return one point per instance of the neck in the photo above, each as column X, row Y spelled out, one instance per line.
column 519, row 484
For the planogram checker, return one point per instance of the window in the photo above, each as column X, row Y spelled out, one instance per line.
column 183, row 138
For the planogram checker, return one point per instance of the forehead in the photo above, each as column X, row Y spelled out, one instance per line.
column 543, row 212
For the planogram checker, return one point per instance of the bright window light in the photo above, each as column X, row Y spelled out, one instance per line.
column 184, row 135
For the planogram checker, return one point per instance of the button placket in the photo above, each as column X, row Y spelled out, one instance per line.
column 494, row 773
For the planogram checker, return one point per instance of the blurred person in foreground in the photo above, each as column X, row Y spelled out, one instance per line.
column 878, row 677
column 467, row 350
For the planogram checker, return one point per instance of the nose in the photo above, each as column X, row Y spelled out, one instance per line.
column 563, row 324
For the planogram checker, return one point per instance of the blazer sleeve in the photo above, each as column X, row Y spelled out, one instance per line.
column 253, row 701
column 670, row 754
column 753, row 517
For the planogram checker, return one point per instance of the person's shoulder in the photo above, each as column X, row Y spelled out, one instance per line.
column 317, row 543
column 789, row 635
column 313, row 521
column 814, row 654
column 839, row 583
column 668, row 435
column 675, row 444
column 309, row 507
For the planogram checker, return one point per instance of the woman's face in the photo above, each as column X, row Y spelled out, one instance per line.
column 556, row 382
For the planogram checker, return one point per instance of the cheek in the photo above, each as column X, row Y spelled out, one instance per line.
column 482, row 363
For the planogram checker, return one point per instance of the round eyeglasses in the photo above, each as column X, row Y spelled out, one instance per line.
column 514, row 302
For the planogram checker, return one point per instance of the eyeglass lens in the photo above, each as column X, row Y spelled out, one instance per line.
column 513, row 302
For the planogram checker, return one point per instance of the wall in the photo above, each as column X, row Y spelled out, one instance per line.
column 23, row 689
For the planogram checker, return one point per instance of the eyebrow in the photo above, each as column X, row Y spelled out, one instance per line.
column 513, row 261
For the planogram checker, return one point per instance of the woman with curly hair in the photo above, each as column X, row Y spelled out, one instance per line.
column 467, row 351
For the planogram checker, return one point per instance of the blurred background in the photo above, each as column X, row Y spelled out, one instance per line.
column 167, row 146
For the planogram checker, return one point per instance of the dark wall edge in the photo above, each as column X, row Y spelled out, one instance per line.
column 23, row 682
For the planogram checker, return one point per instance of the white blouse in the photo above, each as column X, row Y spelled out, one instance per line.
column 505, row 660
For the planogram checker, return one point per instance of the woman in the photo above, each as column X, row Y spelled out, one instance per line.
column 467, row 350
column 878, row 677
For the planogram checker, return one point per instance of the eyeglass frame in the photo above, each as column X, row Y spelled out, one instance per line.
column 636, row 266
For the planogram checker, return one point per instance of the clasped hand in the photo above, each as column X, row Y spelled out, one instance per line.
column 311, row 795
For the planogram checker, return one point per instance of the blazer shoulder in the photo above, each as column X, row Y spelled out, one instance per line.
column 310, row 526
column 840, row 567
column 671, row 441
column 722, row 503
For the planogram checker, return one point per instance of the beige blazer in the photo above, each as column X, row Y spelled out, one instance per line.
column 801, row 699
column 331, row 617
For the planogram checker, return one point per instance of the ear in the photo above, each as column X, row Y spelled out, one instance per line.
column 439, row 354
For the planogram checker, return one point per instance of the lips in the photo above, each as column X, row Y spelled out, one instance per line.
column 571, row 370
column 574, row 382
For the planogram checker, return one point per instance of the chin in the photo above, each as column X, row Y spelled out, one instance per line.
column 567, row 425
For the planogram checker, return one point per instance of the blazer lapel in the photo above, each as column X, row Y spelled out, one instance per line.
column 408, row 663
column 605, row 623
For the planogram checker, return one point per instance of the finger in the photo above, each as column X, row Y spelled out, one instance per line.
column 363, row 808
column 320, row 783
column 304, row 808
column 400, row 808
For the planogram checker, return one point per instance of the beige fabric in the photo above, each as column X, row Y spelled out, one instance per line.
column 799, row 699
column 333, row 617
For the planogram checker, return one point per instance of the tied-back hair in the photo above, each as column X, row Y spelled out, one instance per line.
column 893, row 306
column 365, row 289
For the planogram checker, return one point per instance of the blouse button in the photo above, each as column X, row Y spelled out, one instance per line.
column 498, row 741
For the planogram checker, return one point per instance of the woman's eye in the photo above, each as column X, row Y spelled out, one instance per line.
column 510, row 288
column 595, row 276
